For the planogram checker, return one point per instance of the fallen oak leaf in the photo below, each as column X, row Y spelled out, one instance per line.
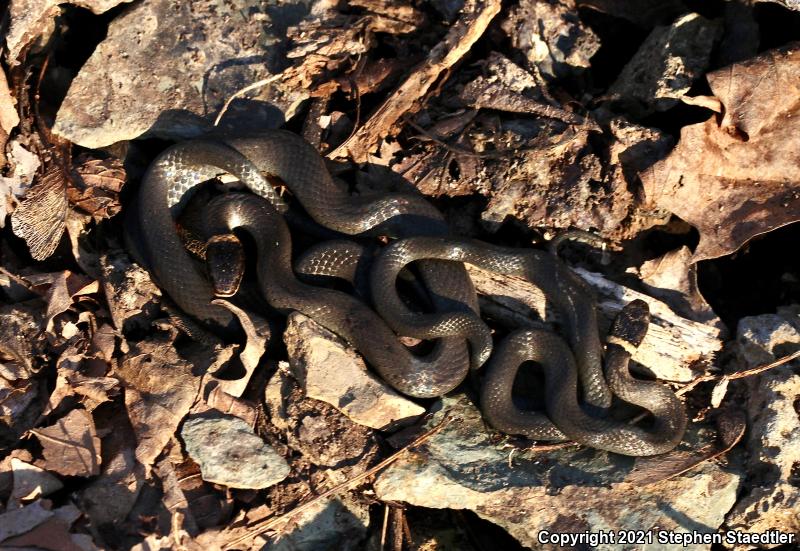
column 61, row 290
column 737, row 179
column 71, row 446
column 18, row 521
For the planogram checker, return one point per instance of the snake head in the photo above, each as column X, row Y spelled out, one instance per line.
column 225, row 264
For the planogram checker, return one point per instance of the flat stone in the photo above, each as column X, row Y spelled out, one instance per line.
column 229, row 453
column 338, row 523
column 333, row 372
column 31, row 19
column 666, row 65
column 567, row 490
column 166, row 68
column 773, row 499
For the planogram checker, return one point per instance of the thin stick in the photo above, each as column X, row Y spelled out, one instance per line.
column 238, row 93
column 263, row 526
column 385, row 527
column 740, row 374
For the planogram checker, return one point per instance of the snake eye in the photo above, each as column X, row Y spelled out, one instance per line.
column 225, row 264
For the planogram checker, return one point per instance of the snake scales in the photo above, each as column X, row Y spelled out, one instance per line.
column 462, row 340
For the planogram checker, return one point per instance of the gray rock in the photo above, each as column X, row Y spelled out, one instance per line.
column 331, row 371
column 338, row 523
column 773, row 499
column 568, row 490
column 229, row 453
column 666, row 64
column 166, row 69
column 34, row 19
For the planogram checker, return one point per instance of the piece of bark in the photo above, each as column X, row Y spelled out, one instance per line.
column 673, row 344
column 476, row 17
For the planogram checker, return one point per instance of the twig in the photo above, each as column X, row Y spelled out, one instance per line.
column 385, row 527
column 263, row 526
column 739, row 374
column 258, row 84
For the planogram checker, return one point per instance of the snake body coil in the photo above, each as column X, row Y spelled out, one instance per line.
column 423, row 238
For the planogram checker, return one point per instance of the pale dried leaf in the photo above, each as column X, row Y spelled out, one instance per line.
column 9, row 118
column 71, row 446
column 24, row 166
column 672, row 277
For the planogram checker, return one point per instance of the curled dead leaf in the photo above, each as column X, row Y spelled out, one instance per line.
column 737, row 179
column 257, row 332
column 97, row 186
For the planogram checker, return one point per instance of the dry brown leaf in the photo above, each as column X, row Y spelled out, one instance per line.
column 61, row 290
column 39, row 217
column 159, row 391
column 18, row 521
column 738, row 179
column 97, row 186
column 71, row 446
column 107, row 499
column 129, row 290
column 53, row 535
column 20, row 335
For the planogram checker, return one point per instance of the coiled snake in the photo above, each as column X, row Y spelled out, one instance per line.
column 422, row 236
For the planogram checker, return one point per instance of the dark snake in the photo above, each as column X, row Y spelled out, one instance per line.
column 253, row 160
